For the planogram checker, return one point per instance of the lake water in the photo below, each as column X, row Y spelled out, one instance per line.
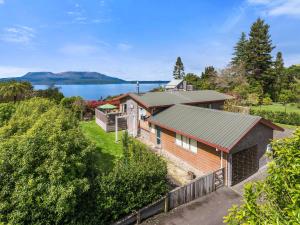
column 95, row 92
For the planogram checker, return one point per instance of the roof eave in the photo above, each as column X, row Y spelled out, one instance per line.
column 190, row 136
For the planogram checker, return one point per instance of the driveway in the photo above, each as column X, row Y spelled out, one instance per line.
column 208, row 210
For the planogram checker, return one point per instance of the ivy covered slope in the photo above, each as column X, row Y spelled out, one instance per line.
column 277, row 199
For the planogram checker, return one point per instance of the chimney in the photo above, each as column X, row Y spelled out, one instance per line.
column 138, row 87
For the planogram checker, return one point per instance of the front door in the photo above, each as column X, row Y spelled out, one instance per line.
column 158, row 136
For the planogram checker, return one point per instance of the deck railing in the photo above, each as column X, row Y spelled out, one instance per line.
column 108, row 120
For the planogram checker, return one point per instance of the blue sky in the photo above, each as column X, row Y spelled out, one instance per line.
column 136, row 39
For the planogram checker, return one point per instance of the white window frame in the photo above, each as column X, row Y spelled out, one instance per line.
column 142, row 112
column 186, row 143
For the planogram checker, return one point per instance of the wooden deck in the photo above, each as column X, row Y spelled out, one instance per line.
column 107, row 121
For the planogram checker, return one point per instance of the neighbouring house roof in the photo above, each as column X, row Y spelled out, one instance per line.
column 158, row 99
column 173, row 83
column 219, row 129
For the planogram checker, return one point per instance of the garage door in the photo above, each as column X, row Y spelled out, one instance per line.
column 244, row 164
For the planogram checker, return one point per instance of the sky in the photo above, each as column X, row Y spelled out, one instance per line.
column 136, row 39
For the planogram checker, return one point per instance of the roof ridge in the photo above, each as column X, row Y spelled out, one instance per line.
column 215, row 110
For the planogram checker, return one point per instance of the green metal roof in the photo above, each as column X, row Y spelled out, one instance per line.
column 215, row 127
column 151, row 99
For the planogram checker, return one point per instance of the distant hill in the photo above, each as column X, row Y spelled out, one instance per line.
column 70, row 77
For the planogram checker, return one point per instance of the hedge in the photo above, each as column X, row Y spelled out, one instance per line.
column 291, row 118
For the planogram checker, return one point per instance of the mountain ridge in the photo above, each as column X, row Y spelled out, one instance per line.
column 68, row 77
column 71, row 77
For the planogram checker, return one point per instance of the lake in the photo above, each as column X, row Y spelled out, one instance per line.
column 96, row 91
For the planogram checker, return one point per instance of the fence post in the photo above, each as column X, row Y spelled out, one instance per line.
column 138, row 217
column 167, row 203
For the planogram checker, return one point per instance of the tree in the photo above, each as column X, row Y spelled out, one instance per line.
column 274, row 200
column 178, row 72
column 76, row 104
column 286, row 96
column 259, row 58
column 240, row 51
column 279, row 74
column 193, row 79
column 52, row 93
column 47, row 167
column 14, row 90
column 208, row 78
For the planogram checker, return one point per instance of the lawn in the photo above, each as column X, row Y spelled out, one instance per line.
column 278, row 107
column 109, row 150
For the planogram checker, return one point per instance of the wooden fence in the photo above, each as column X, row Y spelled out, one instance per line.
column 197, row 188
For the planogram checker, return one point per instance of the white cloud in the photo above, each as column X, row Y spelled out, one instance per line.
column 11, row 71
column 78, row 49
column 279, row 7
column 124, row 46
column 1, row 2
column 18, row 34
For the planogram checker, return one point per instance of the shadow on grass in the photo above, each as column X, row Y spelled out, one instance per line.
column 106, row 160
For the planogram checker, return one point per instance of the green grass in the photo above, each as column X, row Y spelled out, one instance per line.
column 292, row 127
column 109, row 150
column 278, row 107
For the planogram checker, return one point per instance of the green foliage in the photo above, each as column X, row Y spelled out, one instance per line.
column 178, row 72
column 291, row 118
column 76, row 104
column 6, row 111
column 51, row 93
column 276, row 199
column 240, row 51
column 259, row 48
column 137, row 180
column 15, row 91
column 47, row 167
column 253, row 99
column 267, row 101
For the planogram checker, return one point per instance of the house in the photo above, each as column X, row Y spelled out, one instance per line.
column 178, row 85
column 192, row 126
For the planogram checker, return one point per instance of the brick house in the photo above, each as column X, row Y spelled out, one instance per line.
column 192, row 126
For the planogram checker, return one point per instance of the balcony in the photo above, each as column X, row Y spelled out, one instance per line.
column 107, row 120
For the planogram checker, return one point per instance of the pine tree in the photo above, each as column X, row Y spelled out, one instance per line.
column 240, row 51
column 209, row 72
column 280, row 75
column 259, row 48
column 178, row 72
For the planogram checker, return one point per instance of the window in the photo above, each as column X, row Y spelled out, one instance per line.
column 178, row 139
column 125, row 108
column 186, row 143
column 152, row 128
column 142, row 113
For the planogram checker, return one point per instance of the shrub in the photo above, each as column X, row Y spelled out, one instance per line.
column 6, row 111
column 291, row 118
column 253, row 99
column 137, row 180
column 47, row 167
column 267, row 101
column 275, row 200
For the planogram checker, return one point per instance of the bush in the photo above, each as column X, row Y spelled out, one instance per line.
column 267, row 101
column 253, row 99
column 6, row 111
column 47, row 167
column 275, row 200
column 137, row 180
column 278, row 117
